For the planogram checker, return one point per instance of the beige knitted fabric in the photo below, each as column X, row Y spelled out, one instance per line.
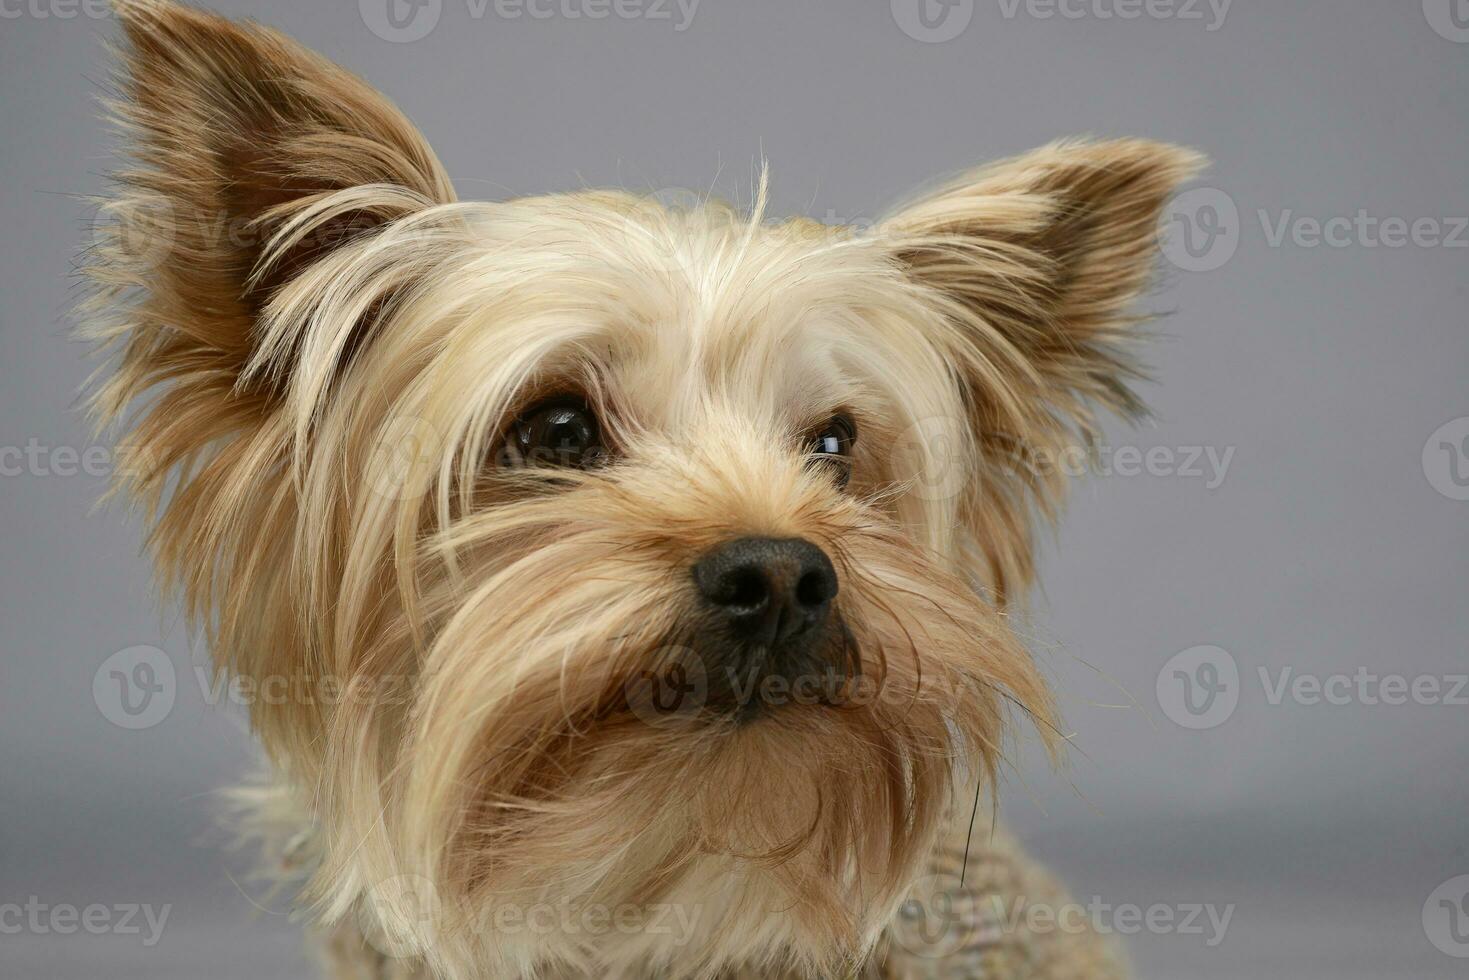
column 1010, row 921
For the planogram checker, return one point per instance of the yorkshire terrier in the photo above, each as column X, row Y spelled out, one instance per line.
column 635, row 578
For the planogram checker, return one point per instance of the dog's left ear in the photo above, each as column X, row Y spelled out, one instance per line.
column 1033, row 264
column 239, row 133
column 254, row 164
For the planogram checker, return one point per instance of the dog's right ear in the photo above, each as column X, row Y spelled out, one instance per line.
column 254, row 158
column 1035, row 263
column 256, row 165
column 259, row 170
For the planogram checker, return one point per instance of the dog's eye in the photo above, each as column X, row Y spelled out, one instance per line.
column 832, row 446
column 562, row 432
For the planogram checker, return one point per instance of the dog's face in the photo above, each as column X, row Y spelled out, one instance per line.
column 616, row 554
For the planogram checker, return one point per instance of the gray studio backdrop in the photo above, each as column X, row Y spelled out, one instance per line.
column 1299, row 507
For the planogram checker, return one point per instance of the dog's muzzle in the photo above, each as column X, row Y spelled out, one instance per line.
column 768, row 603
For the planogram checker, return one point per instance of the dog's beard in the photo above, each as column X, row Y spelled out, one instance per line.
column 530, row 769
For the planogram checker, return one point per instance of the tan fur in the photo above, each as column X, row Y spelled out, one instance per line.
column 317, row 351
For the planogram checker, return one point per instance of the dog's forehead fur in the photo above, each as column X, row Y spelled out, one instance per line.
column 691, row 311
column 682, row 324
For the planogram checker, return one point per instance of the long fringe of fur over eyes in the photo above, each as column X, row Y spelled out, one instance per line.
column 316, row 351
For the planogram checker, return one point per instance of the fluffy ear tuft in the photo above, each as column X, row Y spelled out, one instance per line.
column 235, row 131
column 1034, row 264
column 254, row 161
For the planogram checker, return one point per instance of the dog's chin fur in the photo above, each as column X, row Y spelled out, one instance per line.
column 320, row 351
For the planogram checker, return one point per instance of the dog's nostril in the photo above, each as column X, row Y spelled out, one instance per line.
column 744, row 588
column 815, row 589
column 768, row 590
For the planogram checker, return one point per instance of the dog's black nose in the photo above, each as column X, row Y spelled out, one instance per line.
column 772, row 594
